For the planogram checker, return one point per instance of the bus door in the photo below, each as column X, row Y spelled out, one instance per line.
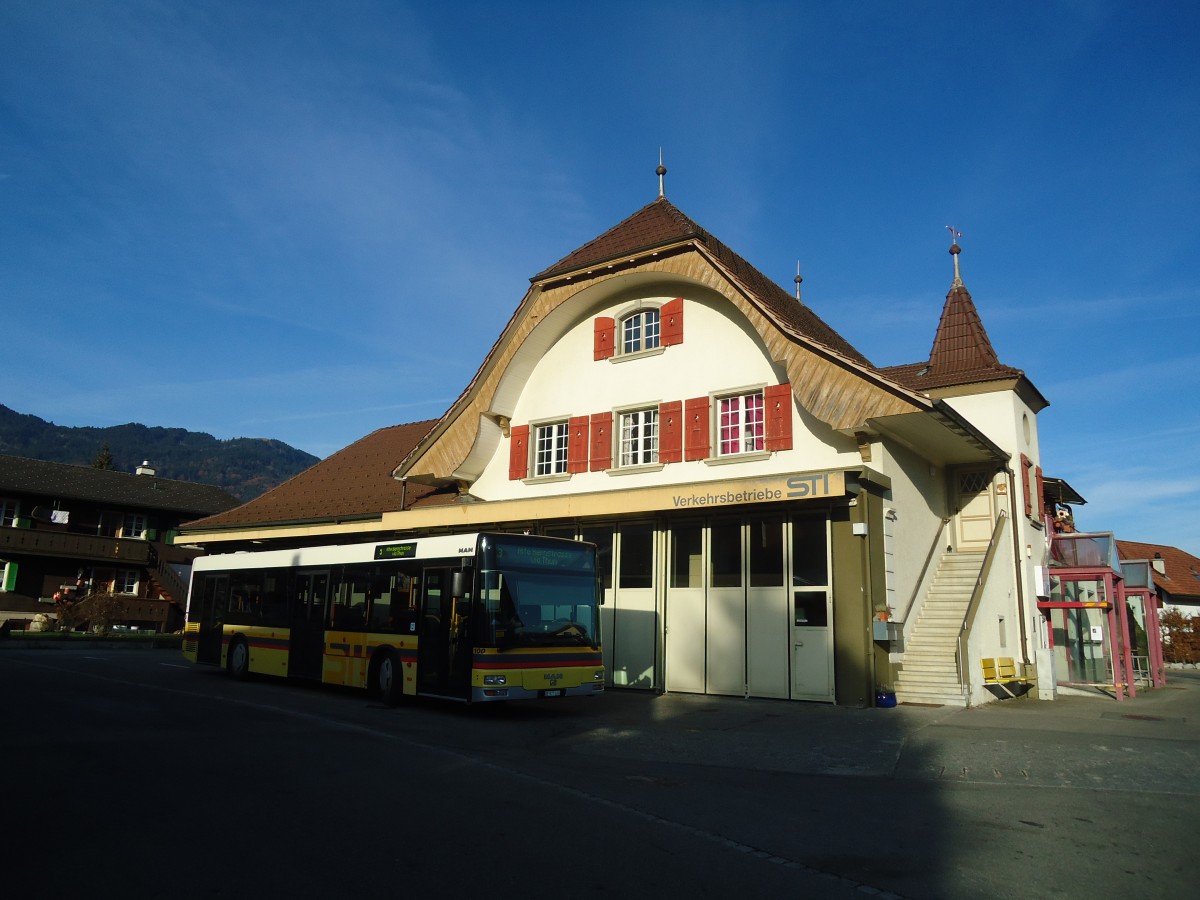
column 308, row 624
column 214, row 597
column 440, row 663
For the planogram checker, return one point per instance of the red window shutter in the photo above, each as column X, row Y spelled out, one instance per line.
column 1041, row 492
column 601, row 441
column 577, row 444
column 695, row 429
column 605, row 337
column 670, row 432
column 671, row 322
column 1026, row 465
column 518, row 452
column 777, row 398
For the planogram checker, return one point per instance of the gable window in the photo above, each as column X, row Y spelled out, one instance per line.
column 740, row 427
column 550, row 449
column 640, row 331
column 639, row 437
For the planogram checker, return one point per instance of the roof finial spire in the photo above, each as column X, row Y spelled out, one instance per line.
column 660, row 172
column 954, row 251
column 798, row 279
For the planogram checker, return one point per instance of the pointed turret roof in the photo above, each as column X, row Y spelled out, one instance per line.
column 962, row 353
column 659, row 226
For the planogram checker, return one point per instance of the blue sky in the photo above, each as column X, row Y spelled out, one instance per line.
column 306, row 221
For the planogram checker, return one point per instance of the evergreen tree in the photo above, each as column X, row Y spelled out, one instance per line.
column 104, row 459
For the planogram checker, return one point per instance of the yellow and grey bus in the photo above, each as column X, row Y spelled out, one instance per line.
column 470, row 617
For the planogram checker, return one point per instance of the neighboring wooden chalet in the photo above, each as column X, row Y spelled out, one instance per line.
column 68, row 530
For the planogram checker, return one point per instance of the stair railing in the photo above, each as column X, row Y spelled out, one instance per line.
column 964, row 633
column 170, row 582
column 937, row 542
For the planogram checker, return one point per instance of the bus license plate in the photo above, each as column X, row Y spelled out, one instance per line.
column 557, row 692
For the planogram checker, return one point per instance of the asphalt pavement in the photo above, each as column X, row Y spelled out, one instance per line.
column 1148, row 744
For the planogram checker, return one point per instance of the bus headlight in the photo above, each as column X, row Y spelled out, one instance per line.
column 495, row 679
column 598, row 675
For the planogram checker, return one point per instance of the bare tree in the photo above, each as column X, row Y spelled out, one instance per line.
column 99, row 611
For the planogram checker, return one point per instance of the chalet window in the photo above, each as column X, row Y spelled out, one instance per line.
column 8, row 512
column 637, row 330
column 640, row 331
column 740, row 424
column 550, row 449
column 133, row 526
column 639, row 437
column 126, row 582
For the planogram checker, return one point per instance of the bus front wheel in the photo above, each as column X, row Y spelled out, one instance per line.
column 239, row 659
column 389, row 678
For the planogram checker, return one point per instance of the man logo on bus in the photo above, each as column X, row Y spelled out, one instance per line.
column 553, row 678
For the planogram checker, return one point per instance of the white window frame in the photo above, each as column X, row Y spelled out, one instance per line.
column 10, row 510
column 638, row 437
column 646, row 323
column 551, row 443
column 130, row 523
column 741, row 425
column 125, row 581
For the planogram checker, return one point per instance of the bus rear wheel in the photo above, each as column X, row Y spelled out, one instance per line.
column 389, row 678
column 239, row 659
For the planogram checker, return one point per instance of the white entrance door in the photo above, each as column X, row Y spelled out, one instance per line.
column 812, row 646
column 603, row 537
column 635, row 617
column 976, row 507
column 811, row 614
column 726, row 633
column 766, row 610
column 686, row 609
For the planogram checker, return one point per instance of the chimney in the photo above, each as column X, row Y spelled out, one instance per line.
column 145, row 469
column 1160, row 564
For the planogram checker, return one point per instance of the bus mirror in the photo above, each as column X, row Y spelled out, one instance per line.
column 460, row 582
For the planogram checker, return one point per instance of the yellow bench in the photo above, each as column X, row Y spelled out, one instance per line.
column 999, row 671
column 1002, row 672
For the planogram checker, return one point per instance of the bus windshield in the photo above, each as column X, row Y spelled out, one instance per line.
column 538, row 596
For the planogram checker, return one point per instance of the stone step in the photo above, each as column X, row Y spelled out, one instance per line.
column 939, row 698
column 946, row 685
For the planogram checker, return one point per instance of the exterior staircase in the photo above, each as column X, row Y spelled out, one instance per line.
column 929, row 673
column 170, row 586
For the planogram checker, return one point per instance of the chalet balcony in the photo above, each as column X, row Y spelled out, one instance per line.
column 39, row 542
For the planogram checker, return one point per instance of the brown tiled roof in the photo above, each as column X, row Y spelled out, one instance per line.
column 63, row 481
column 961, row 354
column 354, row 482
column 1182, row 578
column 662, row 224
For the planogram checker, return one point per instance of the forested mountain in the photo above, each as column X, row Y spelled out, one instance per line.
column 245, row 467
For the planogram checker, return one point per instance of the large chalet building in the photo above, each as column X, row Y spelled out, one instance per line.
column 776, row 516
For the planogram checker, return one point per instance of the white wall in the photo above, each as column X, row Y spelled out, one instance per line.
column 918, row 496
column 1007, row 419
column 720, row 352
